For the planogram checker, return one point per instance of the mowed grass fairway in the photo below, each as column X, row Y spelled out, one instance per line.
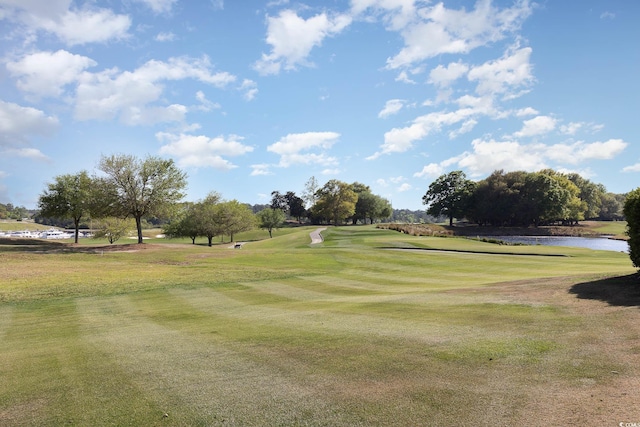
column 370, row 327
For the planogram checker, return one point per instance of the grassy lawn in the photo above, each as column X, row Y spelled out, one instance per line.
column 370, row 327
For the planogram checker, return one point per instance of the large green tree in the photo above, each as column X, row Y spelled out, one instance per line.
column 140, row 188
column 270, row 219
column 296, row 206
column 590, row 193
column 206, row 217
column 234, row 217
column 611, row 208
column 336, row 201
column 68, row 197
column 371, row 206
column 632, row 214
column 184, row 224
column 449, row 195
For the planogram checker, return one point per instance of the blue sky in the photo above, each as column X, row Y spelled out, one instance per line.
column 249, row 96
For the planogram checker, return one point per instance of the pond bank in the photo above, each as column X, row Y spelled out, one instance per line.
column 584, row 229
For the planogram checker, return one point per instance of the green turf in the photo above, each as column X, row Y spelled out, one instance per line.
column 371, row 327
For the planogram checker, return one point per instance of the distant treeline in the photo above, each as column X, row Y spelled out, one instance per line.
column 522, row 198
column 10, row 211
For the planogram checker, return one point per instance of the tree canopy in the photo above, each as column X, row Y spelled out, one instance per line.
column 336, row 201
column 521, row 198
column 632, row 214
column 139, row 188
column 449, row 195
column 270, row 219
column 69, row 196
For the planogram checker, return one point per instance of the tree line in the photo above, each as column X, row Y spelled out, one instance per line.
column 129, row 191
column 522, row 199
column 9, row 211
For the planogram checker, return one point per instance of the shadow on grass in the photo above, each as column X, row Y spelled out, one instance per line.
column 21, row 245
column 49, row 246
column 619, row 291
column 471, row 252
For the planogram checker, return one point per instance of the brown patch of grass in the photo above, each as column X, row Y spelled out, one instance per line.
column 20, row 413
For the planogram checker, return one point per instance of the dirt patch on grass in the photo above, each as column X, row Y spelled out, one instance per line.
column 597, row 374
column 19, row 414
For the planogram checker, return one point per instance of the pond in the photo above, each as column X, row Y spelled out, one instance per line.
column 599, row 243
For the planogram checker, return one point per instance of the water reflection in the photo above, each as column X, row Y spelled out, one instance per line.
column 599, row 243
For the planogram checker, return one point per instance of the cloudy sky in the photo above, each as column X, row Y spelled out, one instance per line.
column 253, row 96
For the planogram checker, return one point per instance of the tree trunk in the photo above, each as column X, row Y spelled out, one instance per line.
column 450, row 220
column 76, row 223
column 139, row 227
column 210, row 238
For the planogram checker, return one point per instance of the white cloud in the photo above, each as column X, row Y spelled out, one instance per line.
column 293, row 148
column 205, row 104
column 537, row 126
column 632, row 168
column 202, row 151
column 17, row 123
column 580, row 151
column 399, row 140
column 396, row 13
column 292, row 38
column 466, row 127
column 607, row 15
column 503, row 75
column 77, row 27
column 261, row 170
column 127, row 95
column 403, row 77
column 27, row 153
column 571, row 128
column 165, row 37
column 430, row 170
column 46, row 73
column 330, row 171
column 445, row 76
column 393, row 106
column 491, row 155
column 528, row 111
column 250, row 89
column 487, row 156
column 73, row 26
column 405, row 187
column 159, row 6
column 434, row 30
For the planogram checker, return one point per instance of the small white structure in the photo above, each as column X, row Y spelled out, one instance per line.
column 55, row 234
column 25, row 234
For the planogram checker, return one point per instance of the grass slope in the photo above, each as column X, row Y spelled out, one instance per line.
column 371, row 327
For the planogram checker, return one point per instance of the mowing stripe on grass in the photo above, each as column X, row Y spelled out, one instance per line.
column 199, row 372
column 6, row 315
column 355, row 285
column 290, row 289
column 50, row 377
column 325, row 317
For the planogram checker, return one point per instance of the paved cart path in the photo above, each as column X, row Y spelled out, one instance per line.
column 316, row 237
